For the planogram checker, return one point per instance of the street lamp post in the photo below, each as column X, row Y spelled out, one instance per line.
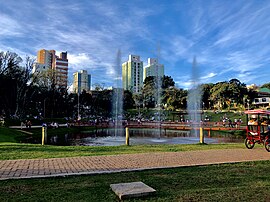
column 78, row 105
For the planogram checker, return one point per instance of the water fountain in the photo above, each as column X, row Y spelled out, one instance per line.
column 117, row 102
column 159, row 90
column 153, row 136
column 194, row 99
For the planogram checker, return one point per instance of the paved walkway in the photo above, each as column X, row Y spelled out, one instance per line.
column 36, row 168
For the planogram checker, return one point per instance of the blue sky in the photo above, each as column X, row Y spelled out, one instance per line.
column 230, row 38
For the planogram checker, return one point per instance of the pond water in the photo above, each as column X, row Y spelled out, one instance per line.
column 108, row 137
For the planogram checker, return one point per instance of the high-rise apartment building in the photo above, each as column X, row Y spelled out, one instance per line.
column 45, row 57
column 48, row 60
column 153, row 68
column 132, row 74
column 60, row 65
column 81, row 81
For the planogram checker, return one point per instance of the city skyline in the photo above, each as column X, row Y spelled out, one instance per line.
column 228, row 38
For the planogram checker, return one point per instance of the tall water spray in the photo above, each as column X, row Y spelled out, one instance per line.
column 194, row 99
column 158, row 89
column 117, row 102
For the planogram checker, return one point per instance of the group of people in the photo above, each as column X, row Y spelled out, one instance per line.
column 27, row 124
column 254, row 121
column 236, row 123
column 51, row 125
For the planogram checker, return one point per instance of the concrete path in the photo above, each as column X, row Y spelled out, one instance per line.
column 37, row 168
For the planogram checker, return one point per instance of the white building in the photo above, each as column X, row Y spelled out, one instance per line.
column 81, row 81
column 153, row 68
column 132, row 74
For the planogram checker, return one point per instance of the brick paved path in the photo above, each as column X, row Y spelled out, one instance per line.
column 17, row 169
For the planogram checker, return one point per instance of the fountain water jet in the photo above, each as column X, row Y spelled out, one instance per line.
column 194, row 99
column 117, row 108
column 158, row 89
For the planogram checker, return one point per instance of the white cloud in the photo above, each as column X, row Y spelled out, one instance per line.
column 208, row 76
column 9, row 27
column 185, row 85
column 178, row 48
column 79, row 59
column 226, row 38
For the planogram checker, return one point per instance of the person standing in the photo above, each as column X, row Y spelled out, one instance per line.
column 29, row 124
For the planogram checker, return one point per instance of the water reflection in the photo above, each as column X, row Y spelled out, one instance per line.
column 106, row 137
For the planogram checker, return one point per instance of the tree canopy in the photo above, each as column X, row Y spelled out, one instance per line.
column 266, row 85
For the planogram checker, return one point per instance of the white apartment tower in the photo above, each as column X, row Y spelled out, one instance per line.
column 153, row 68
column 81, row 81
column 132, row 74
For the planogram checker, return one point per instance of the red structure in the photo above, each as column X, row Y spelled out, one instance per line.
column 258, row 128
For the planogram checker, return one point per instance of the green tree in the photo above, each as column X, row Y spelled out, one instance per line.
column 150, row 92
column 219, row 94
column 153, row 89
column 237, row 91
column 167, row 82
column 223, row 94
column 266, row 85
column 174, row 98
column 128, row 102
column 206, row 88
column 16, row 84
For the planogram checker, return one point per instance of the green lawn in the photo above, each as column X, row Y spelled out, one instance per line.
column 226, row 182
column 10, row 136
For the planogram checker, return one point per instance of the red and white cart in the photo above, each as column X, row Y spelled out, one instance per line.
column 258, row 128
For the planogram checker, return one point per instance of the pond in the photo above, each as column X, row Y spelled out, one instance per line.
column 115, row 137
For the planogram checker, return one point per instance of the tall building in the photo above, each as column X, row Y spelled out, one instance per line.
column 81, row 81
column 44, row 60
column 153, row 68
column 60, row 65
column 45, row 57
column 48, row 60
column 132, row 74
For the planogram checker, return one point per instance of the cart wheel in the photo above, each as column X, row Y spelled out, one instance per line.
column 267, row 145
column 250, row 143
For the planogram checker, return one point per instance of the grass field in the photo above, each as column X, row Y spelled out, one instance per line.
column 226, row 182
column 10, row 136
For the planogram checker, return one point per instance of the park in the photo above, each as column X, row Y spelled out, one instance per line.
column 106, row 101
column 178, row 172
column 187, row 145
